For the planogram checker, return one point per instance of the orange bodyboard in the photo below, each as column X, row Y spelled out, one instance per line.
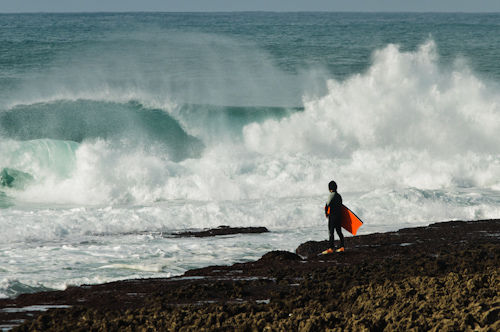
column 350, row 222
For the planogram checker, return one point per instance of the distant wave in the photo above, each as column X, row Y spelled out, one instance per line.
column 87, row 119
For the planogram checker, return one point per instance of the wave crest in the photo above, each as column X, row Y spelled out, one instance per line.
column 404, row 100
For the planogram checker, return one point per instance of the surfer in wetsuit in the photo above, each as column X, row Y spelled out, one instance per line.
column 333, row 213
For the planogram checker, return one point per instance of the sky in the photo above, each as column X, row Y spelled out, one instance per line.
column 16, row 6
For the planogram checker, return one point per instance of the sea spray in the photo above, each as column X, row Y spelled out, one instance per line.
column 404, row 122
column 195, row 68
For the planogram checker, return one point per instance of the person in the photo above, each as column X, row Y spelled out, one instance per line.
column 333, row 213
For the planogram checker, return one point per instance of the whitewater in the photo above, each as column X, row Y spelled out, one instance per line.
column 111, row 144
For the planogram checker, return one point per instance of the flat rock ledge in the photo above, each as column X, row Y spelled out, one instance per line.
column 221, row 230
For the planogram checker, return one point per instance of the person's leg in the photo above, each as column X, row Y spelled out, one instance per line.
column 338, row 228
column 331, row 229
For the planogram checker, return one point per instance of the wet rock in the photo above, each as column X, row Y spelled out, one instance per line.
column 222, row 230
column 279, row 256
column 311, row 248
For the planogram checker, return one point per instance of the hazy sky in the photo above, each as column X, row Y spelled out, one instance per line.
column 7, row 6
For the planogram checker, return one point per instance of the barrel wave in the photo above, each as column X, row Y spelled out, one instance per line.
column 65, row 142
column 85, row 120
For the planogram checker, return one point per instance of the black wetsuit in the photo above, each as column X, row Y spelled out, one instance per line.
column 335, row 206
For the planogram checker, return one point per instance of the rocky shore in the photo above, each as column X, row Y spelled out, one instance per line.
column 443, row 277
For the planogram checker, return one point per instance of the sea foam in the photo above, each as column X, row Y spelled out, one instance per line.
column 405, row 122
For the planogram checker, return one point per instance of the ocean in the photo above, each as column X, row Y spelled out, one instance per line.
column 118, row 129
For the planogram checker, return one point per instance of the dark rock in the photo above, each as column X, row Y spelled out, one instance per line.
column 222, row 230
column 279, row 256
column 311, row 248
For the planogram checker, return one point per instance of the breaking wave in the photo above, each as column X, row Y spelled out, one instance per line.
column 406, row 123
